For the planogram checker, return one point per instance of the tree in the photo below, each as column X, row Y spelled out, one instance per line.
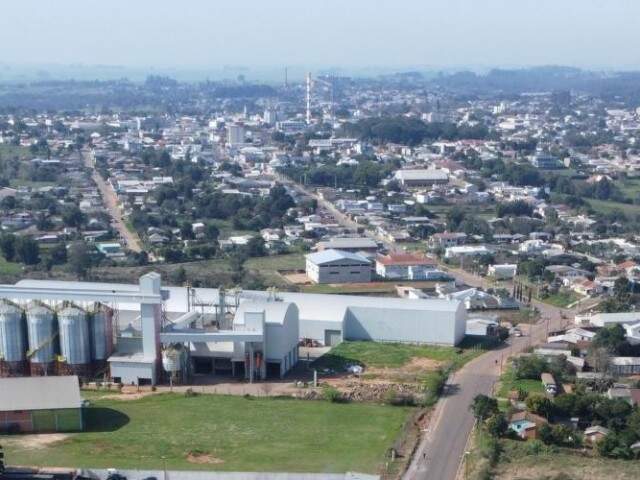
column 28, row 250
column 58, row 254
column 8, row 246
column 497, row 425
column 612, row 338
column 179, row 276
column 565, row 404
column 186, row 230
column 539, row 404
column 483, row 407
column 212, row 232
column 79, row 259
column 255, row 247
column 72, row 216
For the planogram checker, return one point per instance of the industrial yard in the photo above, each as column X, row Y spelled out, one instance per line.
column 239, row 434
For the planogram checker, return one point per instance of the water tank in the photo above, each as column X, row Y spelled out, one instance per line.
column 42, row 330
column 101, row 331
column 12, row 340
column 74, row 336
column 172, row 360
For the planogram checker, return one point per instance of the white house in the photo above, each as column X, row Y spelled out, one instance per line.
column 466, row 251
column 404, row 266
column 502, row 272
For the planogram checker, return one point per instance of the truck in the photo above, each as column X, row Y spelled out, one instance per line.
column 549, row 383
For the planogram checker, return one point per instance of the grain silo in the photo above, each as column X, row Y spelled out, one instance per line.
column 75, row 350
column 13, row 345
column 43, row 337
column 101, row 334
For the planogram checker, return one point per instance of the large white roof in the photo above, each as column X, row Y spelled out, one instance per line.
column 311, row 306
column 39, row 393
column 332, row 255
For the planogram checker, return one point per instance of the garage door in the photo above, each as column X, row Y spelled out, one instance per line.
column 332, row 337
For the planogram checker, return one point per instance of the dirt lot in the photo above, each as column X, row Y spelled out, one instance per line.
column 577, row 468
column 297, row 278
column 36, row 441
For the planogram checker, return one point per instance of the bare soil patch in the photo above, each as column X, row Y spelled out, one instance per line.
column 37, row 441
column 202, row 458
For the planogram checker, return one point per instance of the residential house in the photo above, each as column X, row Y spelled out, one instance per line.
column 526, row 424
column 404, row 266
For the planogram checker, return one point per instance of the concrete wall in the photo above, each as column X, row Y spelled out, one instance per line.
column 281, row 339
column 404, row 325
column 98, row 474
column 341, row 273
column 129, row 372
column 315, row 329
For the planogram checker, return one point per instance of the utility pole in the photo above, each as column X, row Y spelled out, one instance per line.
column 308, row 98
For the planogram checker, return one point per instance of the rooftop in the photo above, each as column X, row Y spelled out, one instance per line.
column 39, row 393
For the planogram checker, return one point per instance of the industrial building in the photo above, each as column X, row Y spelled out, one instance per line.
column 337, row 266
column 40, row 405
column 143, row 333
column 421, row 177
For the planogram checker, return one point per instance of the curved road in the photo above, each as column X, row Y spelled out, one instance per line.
column 442, row 447
column 441, row 450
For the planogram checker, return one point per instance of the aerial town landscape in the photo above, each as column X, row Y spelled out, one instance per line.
column 298, row 272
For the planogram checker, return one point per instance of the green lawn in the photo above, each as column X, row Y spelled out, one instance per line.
column 238, row 434
column 562, row 299
column 10, row 151
column 288, row 261
column 351, row 288
column 9, row 268
column 604, row 207
column 509, row 382
column 630, row 187
column 392, row 355
column 17, row 182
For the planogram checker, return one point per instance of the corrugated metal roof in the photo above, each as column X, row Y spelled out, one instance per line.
column 39, row 393
column 312, row 306
column 332, row 255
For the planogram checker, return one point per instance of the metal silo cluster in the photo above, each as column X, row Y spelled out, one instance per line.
column 41, row 340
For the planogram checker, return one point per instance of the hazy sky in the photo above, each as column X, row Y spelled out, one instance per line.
column 441, row 33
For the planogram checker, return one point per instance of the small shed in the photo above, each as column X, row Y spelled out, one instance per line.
column 595, row 433
column 40, row 404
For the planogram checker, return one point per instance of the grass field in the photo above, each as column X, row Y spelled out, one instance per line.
column 9, row 268
column 267, row 267
column 353, row 288
column 604, row 207
column 630, row 187
column 518, row 461
column 224, row 433
column 562, row 299
column 10, row 151
column 509, row 382
column 289, row 261
column 17, row 182
column 392, row 355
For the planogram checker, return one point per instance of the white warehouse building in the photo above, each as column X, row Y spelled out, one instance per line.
column 254, row 334
column 337, row 266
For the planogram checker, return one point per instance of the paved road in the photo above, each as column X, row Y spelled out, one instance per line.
column 442, row 448
column 439, row 455
column 110, row 201
column 342, row 219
